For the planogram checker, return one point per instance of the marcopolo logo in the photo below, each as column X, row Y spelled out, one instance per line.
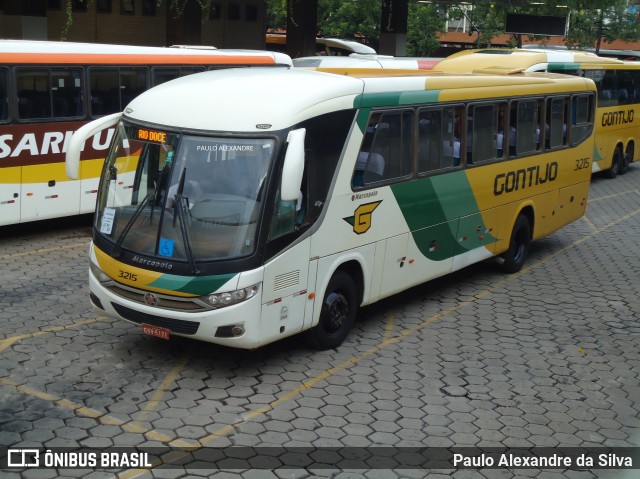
column 361, row 219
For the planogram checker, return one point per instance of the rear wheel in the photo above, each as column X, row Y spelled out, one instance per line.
column 627, row 159
column 337, row 315
column 516, row 255
column 616, row 165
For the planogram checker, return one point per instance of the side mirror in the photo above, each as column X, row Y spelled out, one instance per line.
column 293, row 166
column 76, row 144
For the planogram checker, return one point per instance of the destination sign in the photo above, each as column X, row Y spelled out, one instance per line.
column 151, row 135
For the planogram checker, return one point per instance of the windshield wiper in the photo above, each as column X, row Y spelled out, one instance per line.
column 129, row 224
column 182, row 212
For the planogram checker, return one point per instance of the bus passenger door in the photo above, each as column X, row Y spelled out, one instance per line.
column 285, row 289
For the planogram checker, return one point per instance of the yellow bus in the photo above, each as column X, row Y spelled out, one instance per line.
column 240, row 207
column 49, row 89
column 617, row 124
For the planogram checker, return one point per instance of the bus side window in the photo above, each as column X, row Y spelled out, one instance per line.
column 66, row 91
column 526, row 128
column 556, row 125
column 485, row 132
column 34, row 97
column 385, row 153
column 581, row 118
column 4, row 97
column 105, row 95
column 132, row 82
column 439, row 139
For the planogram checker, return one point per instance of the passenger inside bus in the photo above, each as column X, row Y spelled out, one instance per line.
column 370, row 164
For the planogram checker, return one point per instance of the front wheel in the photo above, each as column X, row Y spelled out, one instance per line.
column 337, row 315
column 516, row 255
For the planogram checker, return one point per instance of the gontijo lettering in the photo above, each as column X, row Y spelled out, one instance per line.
column 524, row 178
column 151, row 135
column 621, row 117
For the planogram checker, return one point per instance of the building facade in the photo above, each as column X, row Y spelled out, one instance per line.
column 229, row 23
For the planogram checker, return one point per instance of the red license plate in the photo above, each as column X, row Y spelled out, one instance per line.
column 156, row 331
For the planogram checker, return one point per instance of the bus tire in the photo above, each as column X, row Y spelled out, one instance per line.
column 616, row 165
column 338, row 313
column 627, row 159
column 516, row 255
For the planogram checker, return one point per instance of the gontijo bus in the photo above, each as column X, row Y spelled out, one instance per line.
column 617, row 124
column 49, row 89
column 242, row 206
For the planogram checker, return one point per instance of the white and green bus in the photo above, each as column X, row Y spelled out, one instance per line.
column 241, row 207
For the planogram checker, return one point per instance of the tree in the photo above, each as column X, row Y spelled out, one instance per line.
column 349, row 20
column 592, row 21
column 423, row 25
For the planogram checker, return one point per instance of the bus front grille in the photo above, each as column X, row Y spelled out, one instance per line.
column 172, row 303
column 175, row 325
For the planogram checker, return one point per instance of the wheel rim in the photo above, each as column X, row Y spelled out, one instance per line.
column 337, row 308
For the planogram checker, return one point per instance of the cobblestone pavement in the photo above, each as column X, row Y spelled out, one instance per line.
column 546, row 357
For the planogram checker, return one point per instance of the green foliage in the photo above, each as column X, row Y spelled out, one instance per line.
column 349, row 20
column 276, row 14
column 423, row 25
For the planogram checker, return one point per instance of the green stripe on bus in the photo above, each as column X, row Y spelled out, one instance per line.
column 369, row 100
column 434, row 208
column 563, row 66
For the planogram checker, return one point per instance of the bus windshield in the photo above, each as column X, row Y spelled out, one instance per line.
column 183, row 197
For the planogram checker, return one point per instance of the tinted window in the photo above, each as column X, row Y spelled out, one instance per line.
column 385, row 153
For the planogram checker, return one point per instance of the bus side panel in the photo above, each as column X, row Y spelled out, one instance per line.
column 89, row 181
column 395, row 266
column 10, row 197
column 572, row 202
column 284, row 295
column 48, row 193
column 473, row 230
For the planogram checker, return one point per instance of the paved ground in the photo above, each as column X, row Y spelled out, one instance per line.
column 547, row 357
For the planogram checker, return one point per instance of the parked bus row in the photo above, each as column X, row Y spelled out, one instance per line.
column 49, row 89
column 240, row 206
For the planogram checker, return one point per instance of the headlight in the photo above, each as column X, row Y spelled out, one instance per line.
column 222, row 300
column 100, row 275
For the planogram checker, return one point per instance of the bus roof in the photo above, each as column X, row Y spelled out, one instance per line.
column 248, row 100
column 48, row 52
column 529, row 59
column 366, row 61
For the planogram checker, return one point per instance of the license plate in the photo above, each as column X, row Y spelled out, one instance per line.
column 156, row 331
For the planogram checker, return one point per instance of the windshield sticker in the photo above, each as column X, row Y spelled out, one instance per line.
column 106, row 225
column 166, row 247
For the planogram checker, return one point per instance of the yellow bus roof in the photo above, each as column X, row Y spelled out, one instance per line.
column 515, row 60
